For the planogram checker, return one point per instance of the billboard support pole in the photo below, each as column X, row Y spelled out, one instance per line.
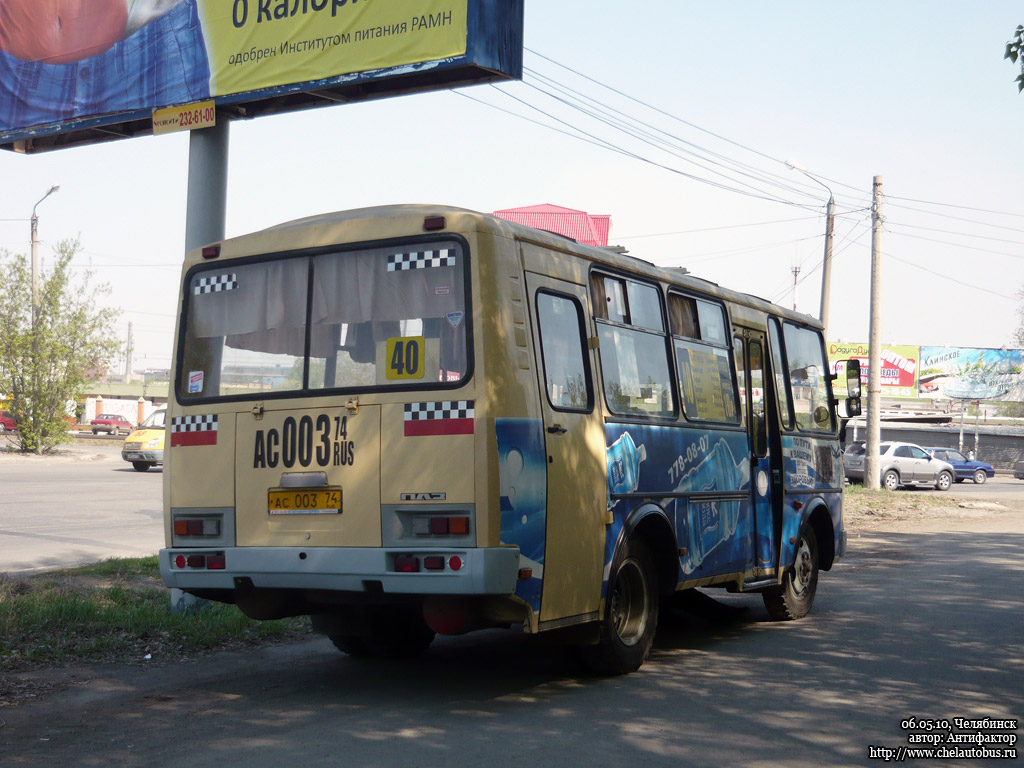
column 206, row 209
column 205, row 214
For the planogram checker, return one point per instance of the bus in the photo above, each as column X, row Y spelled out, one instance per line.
column 413, row 420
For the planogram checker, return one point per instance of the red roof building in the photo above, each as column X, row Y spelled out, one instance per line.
column 579, row 225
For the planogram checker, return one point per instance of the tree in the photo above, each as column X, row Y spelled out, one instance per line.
column 43, row 369
column 1015, row 50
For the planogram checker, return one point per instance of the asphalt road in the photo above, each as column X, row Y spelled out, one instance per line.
column 82, row 506
column 910, row 625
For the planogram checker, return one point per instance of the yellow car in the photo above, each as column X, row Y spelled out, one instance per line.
column 144, row 447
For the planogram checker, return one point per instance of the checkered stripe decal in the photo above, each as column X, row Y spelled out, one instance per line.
column 450, row 409
column 206, row 423
column 216, row 284
column 399, row 262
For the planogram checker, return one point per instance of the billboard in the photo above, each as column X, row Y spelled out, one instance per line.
column 81, row 71
column 963, row 373
column 936, row 373
column 899, row 368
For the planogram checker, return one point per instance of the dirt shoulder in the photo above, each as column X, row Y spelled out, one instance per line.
column 928, row 511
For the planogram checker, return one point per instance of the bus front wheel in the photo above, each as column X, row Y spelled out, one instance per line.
column 793, row 598
column 630, row 616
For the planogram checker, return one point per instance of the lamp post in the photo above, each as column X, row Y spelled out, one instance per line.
column 826, row 266
column 35, row 254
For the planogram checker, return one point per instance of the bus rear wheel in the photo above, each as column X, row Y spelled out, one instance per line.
column 794, row 597
column 630, row 617
column 353, row 645
column 398, row 632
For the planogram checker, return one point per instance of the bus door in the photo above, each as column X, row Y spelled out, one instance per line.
column 575, row 449
column 766, row 474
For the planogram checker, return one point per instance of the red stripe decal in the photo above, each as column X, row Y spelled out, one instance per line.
column 424, row 427
column 206, row 437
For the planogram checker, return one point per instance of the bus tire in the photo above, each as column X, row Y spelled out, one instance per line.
column 631, row 615
column 141, row 466
column 794, row 597
column 353, row 645
column 399, row 632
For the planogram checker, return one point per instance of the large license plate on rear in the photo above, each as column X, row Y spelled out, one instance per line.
column 304, row 501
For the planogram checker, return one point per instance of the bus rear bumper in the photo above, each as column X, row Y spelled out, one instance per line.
column 470, row 571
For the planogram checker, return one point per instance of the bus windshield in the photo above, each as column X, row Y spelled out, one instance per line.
column 350, row 320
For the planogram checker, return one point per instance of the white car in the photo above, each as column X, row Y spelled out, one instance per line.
column 901, row 465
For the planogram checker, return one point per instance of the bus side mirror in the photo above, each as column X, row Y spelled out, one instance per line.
column 853, row 388
column 853, row 378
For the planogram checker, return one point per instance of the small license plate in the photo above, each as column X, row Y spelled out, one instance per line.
column 304, row 501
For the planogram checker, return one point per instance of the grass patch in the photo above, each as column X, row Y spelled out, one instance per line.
column 117, row 610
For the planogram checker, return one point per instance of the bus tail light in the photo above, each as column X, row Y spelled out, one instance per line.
column 407, row 563
column 196, row 527
column 436, row 562
column 442, row 526
column 216, row 562
column 213, row 561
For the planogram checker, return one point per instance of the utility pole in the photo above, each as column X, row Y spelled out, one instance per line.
column 826, row 264
column 128, row 356
column 796, row 271
column 871, row 464
column 35, row 255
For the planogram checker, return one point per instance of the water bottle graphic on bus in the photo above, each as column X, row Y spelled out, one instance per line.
column 624, row 457
column 710, row 523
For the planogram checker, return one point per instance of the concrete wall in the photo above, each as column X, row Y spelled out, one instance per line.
column 999, row 446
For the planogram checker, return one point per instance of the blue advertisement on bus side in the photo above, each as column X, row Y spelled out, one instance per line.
column 700, row 478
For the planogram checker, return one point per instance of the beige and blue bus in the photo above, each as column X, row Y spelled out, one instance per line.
column 414, row 420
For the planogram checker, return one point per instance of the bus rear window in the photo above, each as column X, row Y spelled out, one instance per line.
column 366, row 319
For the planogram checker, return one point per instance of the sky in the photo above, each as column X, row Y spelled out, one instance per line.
column 702, row 106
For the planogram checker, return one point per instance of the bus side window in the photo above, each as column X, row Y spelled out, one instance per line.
column 808, row 377
column 757, row 411
column 741, row 377
column 634, row 351
column 566, row 374
column 779, row 367
column 702, row 359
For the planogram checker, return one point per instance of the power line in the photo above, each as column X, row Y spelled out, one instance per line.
column 959, row 281
column 715, row 229
column 961, row 207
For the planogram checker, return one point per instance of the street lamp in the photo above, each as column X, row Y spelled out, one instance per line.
column 35, row 253
column 826, row 266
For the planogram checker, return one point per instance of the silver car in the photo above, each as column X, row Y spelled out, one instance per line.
column 902, row 464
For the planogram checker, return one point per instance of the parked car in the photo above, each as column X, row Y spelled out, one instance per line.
column 1018, row 470
column 144, row 447
column 111, row 423
column 901, row 465
column 7, row 422
column 965, row 467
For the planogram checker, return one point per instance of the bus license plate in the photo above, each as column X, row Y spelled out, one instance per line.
column 304, row 501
